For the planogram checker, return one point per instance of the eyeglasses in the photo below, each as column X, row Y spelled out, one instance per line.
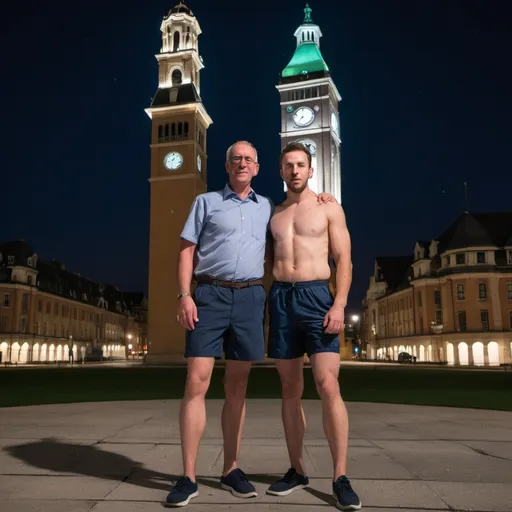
column 237, row 159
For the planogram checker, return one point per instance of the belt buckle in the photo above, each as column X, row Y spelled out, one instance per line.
column 215, row 282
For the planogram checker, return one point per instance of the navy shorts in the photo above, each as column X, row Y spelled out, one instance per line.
column 297, row 313
column 231, row 321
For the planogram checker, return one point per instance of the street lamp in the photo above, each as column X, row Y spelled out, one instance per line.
column 355, row 320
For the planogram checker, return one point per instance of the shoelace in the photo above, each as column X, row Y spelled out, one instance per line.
column 181, row 483
column 289, row 476
column 346, row 487
column 242, row 474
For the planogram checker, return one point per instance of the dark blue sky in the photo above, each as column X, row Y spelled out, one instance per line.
column 426, row 89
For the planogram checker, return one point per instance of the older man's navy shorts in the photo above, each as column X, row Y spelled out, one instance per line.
column 297, row 313
column 231, row 322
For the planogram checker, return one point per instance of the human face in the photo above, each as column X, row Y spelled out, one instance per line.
column 241, row 165
column 295, row 171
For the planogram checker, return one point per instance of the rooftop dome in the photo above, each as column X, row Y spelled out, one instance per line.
column 306, row 59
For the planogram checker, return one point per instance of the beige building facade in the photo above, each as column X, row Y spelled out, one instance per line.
column 48, row 313
column 449, row 301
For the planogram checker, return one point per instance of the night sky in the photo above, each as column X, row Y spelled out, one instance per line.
column 427, row 103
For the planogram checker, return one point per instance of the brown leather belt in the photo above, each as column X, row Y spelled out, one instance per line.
column 229, row 284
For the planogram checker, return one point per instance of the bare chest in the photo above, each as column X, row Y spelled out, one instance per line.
column 297, row 220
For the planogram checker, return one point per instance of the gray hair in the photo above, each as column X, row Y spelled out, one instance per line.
column 228, row 152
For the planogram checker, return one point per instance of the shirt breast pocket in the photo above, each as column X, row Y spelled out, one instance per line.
column 259, row 229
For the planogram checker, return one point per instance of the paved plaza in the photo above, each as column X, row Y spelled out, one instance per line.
column 122, row 457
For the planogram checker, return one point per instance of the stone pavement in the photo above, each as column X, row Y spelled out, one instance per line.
column 122, row 456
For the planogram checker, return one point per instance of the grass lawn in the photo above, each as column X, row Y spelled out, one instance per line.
column 404, row 385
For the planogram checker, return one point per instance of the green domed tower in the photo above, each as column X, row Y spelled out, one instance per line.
column 309, row 107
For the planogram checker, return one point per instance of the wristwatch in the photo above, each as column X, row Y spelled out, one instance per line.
column 183, row 294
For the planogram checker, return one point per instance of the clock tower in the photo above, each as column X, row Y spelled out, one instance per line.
column 178, row 172
column 309, row 108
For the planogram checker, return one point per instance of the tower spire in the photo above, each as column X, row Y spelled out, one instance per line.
column 307, row 14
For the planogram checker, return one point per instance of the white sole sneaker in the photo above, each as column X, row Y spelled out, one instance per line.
column 252, row 494
column 286, row 493
column 181, row 503
column 346, row 507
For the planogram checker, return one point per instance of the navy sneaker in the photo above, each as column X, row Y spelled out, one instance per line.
column 346, row 498
column 237, row 483
column 182, row 492
column 289, row 483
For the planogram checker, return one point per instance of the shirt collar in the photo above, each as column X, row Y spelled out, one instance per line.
column 229, row 192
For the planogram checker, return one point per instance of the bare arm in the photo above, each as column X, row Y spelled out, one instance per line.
column 339, row 239
column 185, row 265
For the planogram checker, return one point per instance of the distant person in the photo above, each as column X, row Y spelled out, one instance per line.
column 71, row 355
column 306, row 319
column 223, row 245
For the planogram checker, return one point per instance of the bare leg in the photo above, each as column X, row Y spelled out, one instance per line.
column 193, row 411
column 326, row 367
column 294, row 422
column 233, row 413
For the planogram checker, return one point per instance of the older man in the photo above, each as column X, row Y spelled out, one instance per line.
column 226, row 231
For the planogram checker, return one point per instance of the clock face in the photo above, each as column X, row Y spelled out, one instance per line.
column 303, row 116
column 334, row 123
column 310, row 146
column 173, row 160
column 199, row 163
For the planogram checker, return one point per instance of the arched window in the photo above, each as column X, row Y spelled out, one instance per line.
column 176, row 46
column 176, row 78
column 173, row 131
column 186, row 130
column 160, row 137
column 180, row 130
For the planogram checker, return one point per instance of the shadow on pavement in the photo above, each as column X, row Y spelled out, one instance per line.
column 53, row 455
column 56, row 456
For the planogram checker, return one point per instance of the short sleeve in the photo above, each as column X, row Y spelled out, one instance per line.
column 195, row 221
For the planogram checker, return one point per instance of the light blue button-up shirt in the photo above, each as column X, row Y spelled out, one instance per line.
column 230, row 234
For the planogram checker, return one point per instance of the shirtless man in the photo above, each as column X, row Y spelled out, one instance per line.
column 305, row 318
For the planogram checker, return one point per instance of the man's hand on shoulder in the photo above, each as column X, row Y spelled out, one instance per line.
column 187, row 312
column 324, row 198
